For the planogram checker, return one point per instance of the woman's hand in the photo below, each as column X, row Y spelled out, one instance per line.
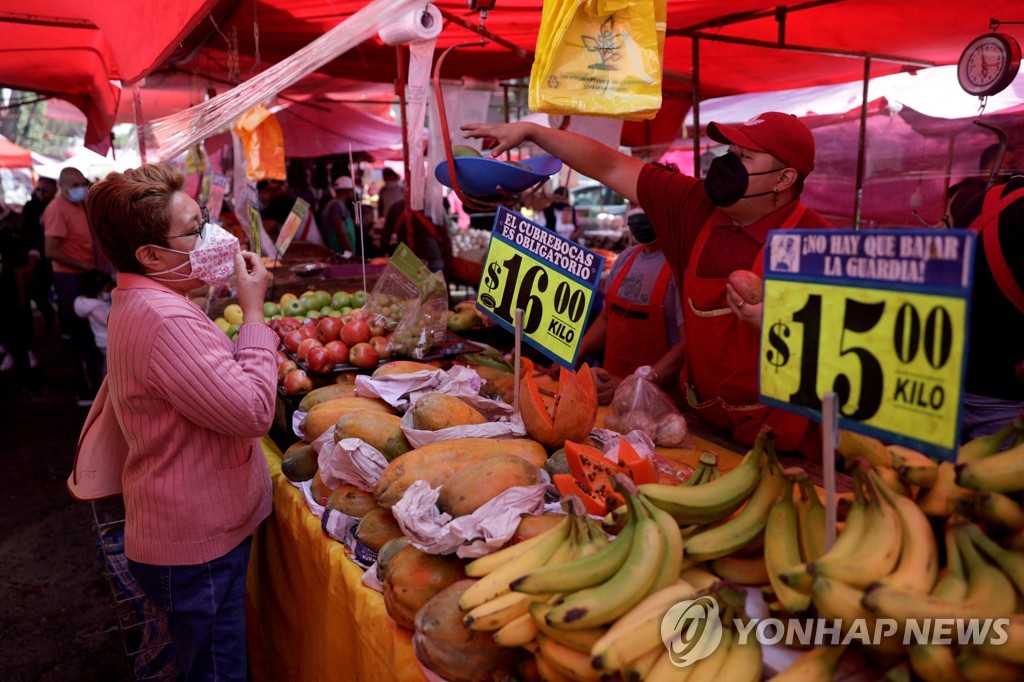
column 748, row 313
column 251, row 283
column 508, row 135
column 606, row 383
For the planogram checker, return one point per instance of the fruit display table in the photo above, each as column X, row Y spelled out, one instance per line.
column 310, row 616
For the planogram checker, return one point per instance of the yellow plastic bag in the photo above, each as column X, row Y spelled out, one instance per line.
column 263, row 143
column 599, row 57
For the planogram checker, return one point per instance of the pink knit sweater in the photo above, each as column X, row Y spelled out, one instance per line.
column 192, row 407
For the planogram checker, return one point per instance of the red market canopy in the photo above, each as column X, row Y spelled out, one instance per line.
column 13, row 156
column 73, row 50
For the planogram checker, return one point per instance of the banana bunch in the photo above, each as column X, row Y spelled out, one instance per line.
column 706, row 471
column 709, row 502
column 982, row 467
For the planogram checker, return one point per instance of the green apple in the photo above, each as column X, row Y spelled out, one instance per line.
column 279, row 316
column 310, row 301
column 334, row 313
column 270, row 309
column 313, row 314
column 359, row 299
column 346, row 310
column 294, row 308
column 327, row 310
column 341, row 299
column 233, row 330
column 288, row 297
column 323, row 297
column 223, row 324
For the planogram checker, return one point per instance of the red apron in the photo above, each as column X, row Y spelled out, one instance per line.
column 721, row 374
column 636, row 334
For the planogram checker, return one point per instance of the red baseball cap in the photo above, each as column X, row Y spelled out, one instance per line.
column 784, row 136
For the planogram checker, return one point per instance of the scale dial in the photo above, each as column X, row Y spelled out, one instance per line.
column 989, row 64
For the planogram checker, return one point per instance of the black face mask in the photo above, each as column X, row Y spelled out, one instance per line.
column 641, row 229
column 727, row 180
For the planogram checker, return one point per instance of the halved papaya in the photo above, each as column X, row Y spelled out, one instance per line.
column 594, row 474
column 567, row 485
column 573, row 414
column 641, row 469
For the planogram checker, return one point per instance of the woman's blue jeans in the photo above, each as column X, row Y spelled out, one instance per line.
column 205, row 607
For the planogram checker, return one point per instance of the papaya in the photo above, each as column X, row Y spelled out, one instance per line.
column 556, row 463
column 480, row 482
column 444, row 644
column 351, row 501
column 531, row 526
column 377, row 527
column 573, row 414
column 325, row 393
column 401, row 367
column 319, row 489
column 436, row 411
column 323, row 416
column 377, row 429
column 413, row 577
column 299, row 462
column 388, row 551
column 436, row 462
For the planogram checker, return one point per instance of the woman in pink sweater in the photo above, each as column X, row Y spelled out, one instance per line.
column 192, row 407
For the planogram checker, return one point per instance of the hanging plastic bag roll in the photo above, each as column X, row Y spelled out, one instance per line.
column 422, row 23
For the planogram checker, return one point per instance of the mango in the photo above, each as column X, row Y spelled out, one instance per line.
column 748, row 285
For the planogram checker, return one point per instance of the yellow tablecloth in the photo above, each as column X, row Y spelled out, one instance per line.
column 310, row 616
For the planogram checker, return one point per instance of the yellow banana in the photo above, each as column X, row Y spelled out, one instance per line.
column 810, row 513
column 714, row 500
column 493, row 614
column 782, row 550
column 738, row 531
column 487, row 564
column 700, row 578
column 640, row 668
column 741, row 570
column 817, row 665
column 708, row 669
column 918, row 565
column 934, row 663
column 1012, row 649
column 517, row 632
column 1001, row 473
column 744, row 663
column 570, row 662
column 546, row 671
column 583, row 640
column 952, row 582
column 664, row 670
column 892, row 480
column 975, row 666
column 638, row 631
column 921, row 476
column 854, row 446
column 940, row 499
column 1011, row 563
column 999, row 511
column 985, row 446
column 672, row 557
column 902, row 456
column 496, row 582
column 604, row 603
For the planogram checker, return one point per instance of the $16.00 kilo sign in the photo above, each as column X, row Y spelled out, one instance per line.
column 880, row 318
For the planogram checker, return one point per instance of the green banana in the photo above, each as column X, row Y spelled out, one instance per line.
column 716, row 499
column 707, row 469
column 782, row 551
column 491, row 562
column 604, row 603
column 736, row 532
column 984, row 446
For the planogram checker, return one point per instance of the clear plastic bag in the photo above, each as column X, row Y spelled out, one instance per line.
column 392, row 297
column 425, row 324
column 638, row 404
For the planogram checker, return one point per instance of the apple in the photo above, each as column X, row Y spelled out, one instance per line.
column 284, row 368
column 359, row 299
column 280, row 356
column 363, row 355
column 310, row 301
column 319, row 360
column 288, row 297
column 461, row 321
column 313, row 315
column 305, row 345
column 323, row 297
column 328, row 329
column 381, row 345
column 296, row 382
column 356, row 331
column 292, row 340
column 334, row 313
column 339, row 350
column 270, row 309
column 294, row 308
column 376, row 328
column 341, row 299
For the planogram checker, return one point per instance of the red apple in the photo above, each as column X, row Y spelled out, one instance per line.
column 363, row 355
column 297, row 381
column 339, row 350
column 285, row 325
column 304, row 347
column 376, row 329
column 328, row 329
column 284, row 368
column 292, row 340
column 319, row 360
column 280, row 356
column 308, row 330
column 380, row 344
column 356, row 331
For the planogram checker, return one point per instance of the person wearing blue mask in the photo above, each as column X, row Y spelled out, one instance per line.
column 642, row 319
column 69, row 246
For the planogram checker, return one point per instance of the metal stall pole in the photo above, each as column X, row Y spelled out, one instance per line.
column 859, row 191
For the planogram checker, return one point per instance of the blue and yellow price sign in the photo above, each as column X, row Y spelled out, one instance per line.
column 878, row 317
column 551, row 278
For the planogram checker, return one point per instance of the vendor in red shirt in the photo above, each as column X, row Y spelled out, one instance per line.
column 707, row 230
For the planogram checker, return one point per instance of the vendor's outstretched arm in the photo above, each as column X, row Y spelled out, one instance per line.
column 608, row 166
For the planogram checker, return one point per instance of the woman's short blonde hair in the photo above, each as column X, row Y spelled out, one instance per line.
column 131, row 209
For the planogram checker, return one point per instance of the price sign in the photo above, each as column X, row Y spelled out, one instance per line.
column 215, row 195
column 550, row 277
column 255, row 230
column 295, row 218
column 878, row 317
